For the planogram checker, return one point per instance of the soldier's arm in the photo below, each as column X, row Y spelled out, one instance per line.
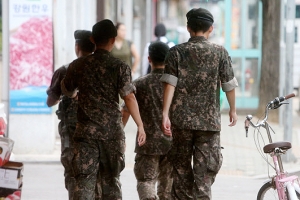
column 167, row 100
column 133, row 109
column 54, row 90
column 125, row 115
column 232, row 110
column 68, row 83
column 51, row 101
column 228, row 83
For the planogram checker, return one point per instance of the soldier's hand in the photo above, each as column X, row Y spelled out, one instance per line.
column 232, row 118
column 166, row 126
column 141, row 136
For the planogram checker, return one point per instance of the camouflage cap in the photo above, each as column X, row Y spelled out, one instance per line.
column 82, row 35
column 158, row 51
column 200, row 14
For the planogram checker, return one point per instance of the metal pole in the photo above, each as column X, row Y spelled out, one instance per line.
column 5, row 60
column 290, row 39
column 282, row 60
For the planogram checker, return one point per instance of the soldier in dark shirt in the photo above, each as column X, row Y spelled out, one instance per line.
column 67, row 108
column 151, row 163
column 193, row 74
column 99, row 140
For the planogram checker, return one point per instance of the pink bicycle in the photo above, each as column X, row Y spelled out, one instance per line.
column 281, row 186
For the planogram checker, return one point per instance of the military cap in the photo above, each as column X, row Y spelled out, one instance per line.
column 82, row 35
column 104, row 29
column 200, row 14
column 158, row 51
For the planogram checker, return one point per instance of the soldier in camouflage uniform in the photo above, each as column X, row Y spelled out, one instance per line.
column 151, row 163
column 99, row 139
column 193, row 74
column 67, row 108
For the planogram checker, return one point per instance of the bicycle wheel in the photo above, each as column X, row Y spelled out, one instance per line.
column 267, row 191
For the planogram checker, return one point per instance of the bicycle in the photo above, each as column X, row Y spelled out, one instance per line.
column 281, row 186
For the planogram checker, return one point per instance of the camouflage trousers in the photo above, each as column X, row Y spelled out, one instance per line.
column 193, row 179
column 152, row 169
column 97, row 165
column 67, row 155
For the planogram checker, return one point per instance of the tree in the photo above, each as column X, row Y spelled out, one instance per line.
column 270, row 64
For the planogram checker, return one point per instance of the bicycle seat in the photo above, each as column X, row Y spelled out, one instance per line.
column 282, row 145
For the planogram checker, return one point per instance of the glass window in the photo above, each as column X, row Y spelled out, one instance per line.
column 236, row 24
column 296, row 34
column 297, row 11
column 237, row 69
column 251, row 77
column 244, row 29
column 251, row 27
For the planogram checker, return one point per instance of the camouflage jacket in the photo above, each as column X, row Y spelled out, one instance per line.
column 197, row 68
column 67, row 109
column 149, row 95
column 100, row 78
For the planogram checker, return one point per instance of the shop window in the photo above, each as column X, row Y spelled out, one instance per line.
column 297, row 11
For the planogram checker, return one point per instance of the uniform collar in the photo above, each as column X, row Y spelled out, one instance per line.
column 157, row 71
column 197, row 38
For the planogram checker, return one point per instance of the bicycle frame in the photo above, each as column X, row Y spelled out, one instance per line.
column 281, row 180
column 280, row 174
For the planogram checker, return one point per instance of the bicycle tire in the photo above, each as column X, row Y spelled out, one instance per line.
column 268, row 192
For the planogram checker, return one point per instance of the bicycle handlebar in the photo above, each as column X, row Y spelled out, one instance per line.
column 274, row 104
column 283, row 98
column 289, row 96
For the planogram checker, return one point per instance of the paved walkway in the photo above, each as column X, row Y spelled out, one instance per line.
column 240, row 153
column 241, row 156
column 242, row 174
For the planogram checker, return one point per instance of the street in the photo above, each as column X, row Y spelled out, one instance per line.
column 44, row 181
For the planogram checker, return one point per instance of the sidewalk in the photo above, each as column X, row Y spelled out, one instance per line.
column 242, row 174
column 241, row 156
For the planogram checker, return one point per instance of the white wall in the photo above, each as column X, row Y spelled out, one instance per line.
column 68, row 16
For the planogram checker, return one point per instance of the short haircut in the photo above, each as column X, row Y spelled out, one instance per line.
column 199, row 25
column 86, row 45
column 103, row 31
column 157, row 52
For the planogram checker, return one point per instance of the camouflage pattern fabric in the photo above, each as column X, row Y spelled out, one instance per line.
column 99, row 147
column 151, row 164
column 67, row 130
column 194, row 182
column 100, row 78
column 98, row 164
column 66, row 127
column 149, row 95
column 200, row 66
column 152, row 169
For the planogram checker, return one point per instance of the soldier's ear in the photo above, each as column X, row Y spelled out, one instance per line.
column 92, row 40
column 211, row 28
column 149, row 59
column 113, row 40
